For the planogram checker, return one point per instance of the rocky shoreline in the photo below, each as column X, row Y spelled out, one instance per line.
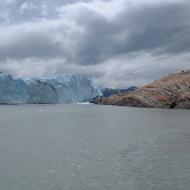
column 172, row 91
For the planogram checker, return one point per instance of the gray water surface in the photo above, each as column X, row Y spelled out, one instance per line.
column 87, row 147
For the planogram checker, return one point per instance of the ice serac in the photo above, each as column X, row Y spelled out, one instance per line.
column 72, row 88
column 41, row 92
column 49, row 90
column 12, row 91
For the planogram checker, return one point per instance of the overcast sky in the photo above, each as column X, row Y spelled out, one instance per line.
column 118, row 42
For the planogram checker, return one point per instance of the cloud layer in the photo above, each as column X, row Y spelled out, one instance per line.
column 118, row 42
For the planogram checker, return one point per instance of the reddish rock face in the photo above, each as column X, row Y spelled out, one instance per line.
column 172, row 91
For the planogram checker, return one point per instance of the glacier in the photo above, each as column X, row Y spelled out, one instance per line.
column 54, row 89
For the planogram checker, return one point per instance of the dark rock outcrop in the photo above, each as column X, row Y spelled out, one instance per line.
column 172, row 91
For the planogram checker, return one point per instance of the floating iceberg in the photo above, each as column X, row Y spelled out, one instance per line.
column 48, row 90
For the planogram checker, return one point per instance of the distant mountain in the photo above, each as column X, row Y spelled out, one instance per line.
column 49, row 90
column 172, row 91
column 106, row 92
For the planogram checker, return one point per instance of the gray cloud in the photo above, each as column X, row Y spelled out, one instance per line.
column 114, row 40
column 159, row 29
column 27, row 10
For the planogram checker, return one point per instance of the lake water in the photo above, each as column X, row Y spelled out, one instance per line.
column 87, row 147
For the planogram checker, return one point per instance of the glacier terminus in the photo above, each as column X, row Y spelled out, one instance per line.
column 54, row 89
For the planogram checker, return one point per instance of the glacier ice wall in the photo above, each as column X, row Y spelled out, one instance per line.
column 12, row 91
column 49, row 90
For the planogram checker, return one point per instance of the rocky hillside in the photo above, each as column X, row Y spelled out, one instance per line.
column 172, row 91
